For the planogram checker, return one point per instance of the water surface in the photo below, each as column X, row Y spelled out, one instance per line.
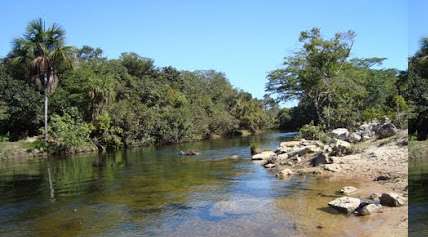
column 418, row 193
column 154, row 192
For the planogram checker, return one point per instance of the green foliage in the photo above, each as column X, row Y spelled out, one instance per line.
column 312, row 132
column 68, row 132
column 336, row 91
column 418, row 92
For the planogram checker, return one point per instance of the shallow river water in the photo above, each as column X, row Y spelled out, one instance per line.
column 418, row 193
column 154, row 192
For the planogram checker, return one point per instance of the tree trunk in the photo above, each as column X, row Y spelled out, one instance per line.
column 46, row 115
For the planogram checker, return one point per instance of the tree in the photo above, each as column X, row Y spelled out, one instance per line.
column 418, row 91
column 310, row 71
column 41, row 49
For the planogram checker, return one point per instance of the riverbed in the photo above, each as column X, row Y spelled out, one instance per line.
column 153, row 191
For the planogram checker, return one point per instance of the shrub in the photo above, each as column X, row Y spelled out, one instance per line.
column 312, row 132
column 68, row 133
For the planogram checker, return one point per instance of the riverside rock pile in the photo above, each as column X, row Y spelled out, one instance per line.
column 313, row 156
column 313, row 153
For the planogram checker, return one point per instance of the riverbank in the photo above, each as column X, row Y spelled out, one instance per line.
column 374, row 166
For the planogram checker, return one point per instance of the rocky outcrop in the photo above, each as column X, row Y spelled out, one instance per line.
column 346, row 205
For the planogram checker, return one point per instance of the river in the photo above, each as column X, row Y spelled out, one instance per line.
column 418, row 193
column 154, row 192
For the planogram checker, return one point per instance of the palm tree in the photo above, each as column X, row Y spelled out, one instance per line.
column 43, row 53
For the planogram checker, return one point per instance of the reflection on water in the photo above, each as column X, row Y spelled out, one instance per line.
column 147, row 192
column 154, row 192
column 418, row 193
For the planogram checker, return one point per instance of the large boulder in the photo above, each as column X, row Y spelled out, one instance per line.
column 340, row 148
column 340, row 133
column 386, row 130
column 391, row 199
column 320, row 159
column 265, row 155
column 345, row 205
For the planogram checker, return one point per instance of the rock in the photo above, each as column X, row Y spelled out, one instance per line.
column 332, row 167
column 189, row 153
column 340, row 148
column 375, row 197
column 303, row 151
column 391, row 200
column 284, row 173
column 289, row 144
column 345, row 205
column 382, row 178
column 369, row 209
column 255, row 150
column 354, row 138
column 347, row 190
column 321, row 158
column 263, row 155
column 269, row 165
column 283, row 156
column 340, row 133
column 386, row 130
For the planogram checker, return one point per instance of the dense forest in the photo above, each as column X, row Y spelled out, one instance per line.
column 129, row 101
column 418, row 92
column 116, row 102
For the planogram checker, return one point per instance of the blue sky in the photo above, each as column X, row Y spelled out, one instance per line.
column 418, row 23
column 244, row 39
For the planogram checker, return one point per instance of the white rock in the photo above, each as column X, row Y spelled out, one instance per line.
column 263, row 156
column 340, row 133
column 345, row 205
column 370, row 209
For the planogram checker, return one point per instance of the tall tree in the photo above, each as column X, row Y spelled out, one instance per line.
column 42, row 51
column 310, row 71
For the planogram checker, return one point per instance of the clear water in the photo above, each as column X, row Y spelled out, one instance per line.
column 154, row 192
column 418, row 193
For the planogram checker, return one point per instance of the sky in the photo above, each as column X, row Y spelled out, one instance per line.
column 418, row 23
column 245, row 39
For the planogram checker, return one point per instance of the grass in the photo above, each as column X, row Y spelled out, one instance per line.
column 19, row 148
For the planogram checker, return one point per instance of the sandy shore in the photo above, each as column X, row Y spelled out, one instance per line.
column 375, row 166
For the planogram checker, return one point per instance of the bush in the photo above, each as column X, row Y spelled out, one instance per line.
column 68, row 133
column 312, row 132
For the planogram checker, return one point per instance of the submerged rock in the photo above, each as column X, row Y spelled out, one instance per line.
column 345, row 205
column 188, row 153
column 347, row 190
column 391, row 199
column 269, row 166
column 289, row 143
